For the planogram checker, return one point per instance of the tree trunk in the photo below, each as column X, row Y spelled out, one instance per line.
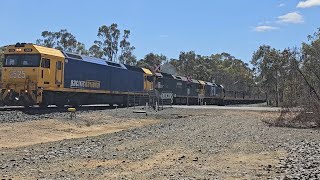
column 309, row 85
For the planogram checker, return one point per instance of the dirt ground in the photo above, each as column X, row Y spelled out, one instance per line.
column 35, row 132
column 152, row 153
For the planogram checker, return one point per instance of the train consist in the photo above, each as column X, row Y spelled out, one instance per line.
column 36, row 75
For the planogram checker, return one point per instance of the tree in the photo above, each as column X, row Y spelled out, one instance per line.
column 108, row 43
column 81, row 49
column 221, row 68
column 106, row 47
column 269, row 65
column 311, row 63
column 186, row 63
column 126, row 55
column 49, row 40
column 62, row 40
column 291, row 76
column 95, row 50
column 168, row 68
column 311, row 57
column 151, row 60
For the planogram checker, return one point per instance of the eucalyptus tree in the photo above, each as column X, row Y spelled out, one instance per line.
column 62, row 40
column 269, row 67
column 126, row 55
column 152, row 61
column 107, row 43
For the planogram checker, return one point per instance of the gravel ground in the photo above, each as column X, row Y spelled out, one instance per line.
column 13, row 116
column 303, row 160
column 20, row 116
column 185, row 144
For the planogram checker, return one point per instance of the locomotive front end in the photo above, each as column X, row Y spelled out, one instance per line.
column 19, row 75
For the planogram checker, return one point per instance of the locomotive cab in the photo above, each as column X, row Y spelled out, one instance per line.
column 27, row 70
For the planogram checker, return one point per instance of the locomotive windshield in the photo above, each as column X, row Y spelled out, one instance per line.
column 22, row 60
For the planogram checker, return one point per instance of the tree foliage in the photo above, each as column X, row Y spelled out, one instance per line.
column 151, row 61
column 270, row 67
column 290, row 77
column 62, row 40
column 126, row 55
column 168, row 68
column 96, row 51
column 311, row 58
column 108, row 45
column 221, row 68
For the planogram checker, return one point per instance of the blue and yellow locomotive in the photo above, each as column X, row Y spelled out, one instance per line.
column 36, row 75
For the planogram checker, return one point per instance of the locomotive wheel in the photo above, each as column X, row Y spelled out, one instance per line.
column 60, row 105
column 76, row 103
column 43, row 105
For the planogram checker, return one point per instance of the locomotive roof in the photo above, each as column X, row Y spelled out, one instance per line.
column 195, row 81
column 94, row 60
column 158, row 75
column 32, row 48
column 134, row 68
column 106, row 62
column 167, row 75
column 202, row 82
column 147, row 71
column 181, row 78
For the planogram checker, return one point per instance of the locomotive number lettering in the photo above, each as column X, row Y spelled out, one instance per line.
column 17, row 74
column 166, row 96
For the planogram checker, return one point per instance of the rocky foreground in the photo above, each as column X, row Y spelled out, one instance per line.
column 178, row 144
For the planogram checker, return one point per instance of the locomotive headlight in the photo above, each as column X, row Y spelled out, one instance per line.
column 9, row 90
column 25, row 91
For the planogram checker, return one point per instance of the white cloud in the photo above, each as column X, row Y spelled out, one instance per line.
column 293, row 17
column 265, row 28
column 308, row 3
column 281, row 5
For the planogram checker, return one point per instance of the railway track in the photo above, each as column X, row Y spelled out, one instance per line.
column 52, row 109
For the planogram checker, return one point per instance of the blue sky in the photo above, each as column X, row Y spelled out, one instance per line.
column 238, row 27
